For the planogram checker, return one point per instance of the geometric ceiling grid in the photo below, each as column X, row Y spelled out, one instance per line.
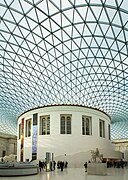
column 63, row 52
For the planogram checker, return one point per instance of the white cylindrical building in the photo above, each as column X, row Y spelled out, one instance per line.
column 67, row 132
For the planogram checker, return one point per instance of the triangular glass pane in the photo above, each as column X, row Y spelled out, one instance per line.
column 26, row 52
column 124, row 4
column 92, row 27
column 20, row 52
column 16, row 5
column 80, row 28
column 94, row 43
column 56, row 24
column 70, row 14
column 78, row 41
column 121, row 36
column 37, row 38
column 109, row 42
column 114, row 53
column 117, row 58
column 49, row 39
column 125, row 61
column 69, row 30
column 86, row 31
column 99, row 53
column 124, row 50
column 60, row 48
column 58, row 35
column 110, row 32
column 83, row 11
column 65, row 21
column 114, row 46
column 120, row 45
column 45, row 32
column 4, row 36
column 90, row 53
column 56, row 41
column 24, row 31
column 83, row 53
column 31, row 23
column 98, row 31
column 57, row 3
column 87, row 40
column 65, row 5
column 46, row 25
column 65, row 49
column 117, row 20
column 97, row 11
column 111, row 3
column 103, row 17
column 43, row 6
column 111, row 13
column 18, row 36
column 79, row 2
column 104, row 43
column 52, row 9
column 104, row 51
column 90, row 16
column 126, row 34
column 124, row 17
column 99, row 40
column 10, row 26
column 107, row 54
column 77, row 17
column 95, row 1
column 40, row 15
column 104, row 28
column 2, row 10
column 75, row 32
column 9, row 16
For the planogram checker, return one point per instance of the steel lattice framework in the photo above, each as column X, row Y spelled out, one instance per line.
column 64, row 52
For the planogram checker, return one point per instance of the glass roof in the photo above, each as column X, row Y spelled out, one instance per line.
column 63, row 52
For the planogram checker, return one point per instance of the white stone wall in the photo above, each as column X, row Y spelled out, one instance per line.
column 8, row 144
column 121, row 145
column 69, row 144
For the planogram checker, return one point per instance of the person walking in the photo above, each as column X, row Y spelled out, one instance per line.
column 85, row 165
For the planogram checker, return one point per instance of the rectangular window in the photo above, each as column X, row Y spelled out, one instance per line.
column 45, row 125
column 86, row 125
column 109, row 131
column 102, row 128
column 65, row 124
column 28, row 127
column 20, row 131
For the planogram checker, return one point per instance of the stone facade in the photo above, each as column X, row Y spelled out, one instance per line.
column 122, row 146
column 8, row 144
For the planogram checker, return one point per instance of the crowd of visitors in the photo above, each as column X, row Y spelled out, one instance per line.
column 60, row 165
column 110, row 163
column 116, row 164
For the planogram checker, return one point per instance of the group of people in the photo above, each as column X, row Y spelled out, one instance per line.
column 116, row 164
column 60, row 165
column 42, row 165
column 110, row 163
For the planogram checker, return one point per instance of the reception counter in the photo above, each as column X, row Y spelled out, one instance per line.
column 17, row 170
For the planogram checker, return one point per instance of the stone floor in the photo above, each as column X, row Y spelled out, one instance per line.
column 74, row 174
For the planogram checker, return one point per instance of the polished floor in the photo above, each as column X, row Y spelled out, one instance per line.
column 74, row 174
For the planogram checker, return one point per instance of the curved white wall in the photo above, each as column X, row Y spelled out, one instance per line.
column 69, row 144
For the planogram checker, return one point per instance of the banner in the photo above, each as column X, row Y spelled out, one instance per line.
column 34, row 137
column 22, row 141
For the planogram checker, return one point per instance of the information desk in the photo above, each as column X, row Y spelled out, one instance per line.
column 18, row 170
